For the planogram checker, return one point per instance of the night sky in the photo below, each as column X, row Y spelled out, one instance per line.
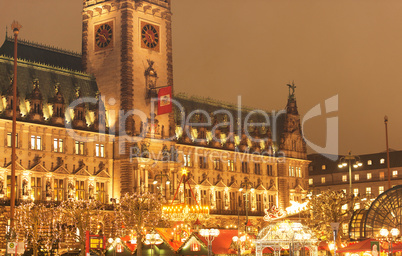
column 253, row 48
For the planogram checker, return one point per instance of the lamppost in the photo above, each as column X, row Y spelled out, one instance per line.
column 152, row 239
column 389, row 236
column 246, row 184
column 347, row 161
column 161, row 176
column 238, row 242
column 209, row 235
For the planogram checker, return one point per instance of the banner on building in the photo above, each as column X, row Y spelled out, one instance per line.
column 165, row 100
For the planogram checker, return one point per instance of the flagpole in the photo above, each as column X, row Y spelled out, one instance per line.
column 15, row 26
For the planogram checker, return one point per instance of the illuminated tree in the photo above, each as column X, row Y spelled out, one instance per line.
column 36, row 224
column 328, row 207
column 137, row 211
column 78, row 216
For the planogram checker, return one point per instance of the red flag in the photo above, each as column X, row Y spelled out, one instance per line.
column 165, row 100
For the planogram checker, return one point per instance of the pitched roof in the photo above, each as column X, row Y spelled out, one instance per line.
column 222, row 242
column 42, row 54
column 251, row 115
column 48, row 77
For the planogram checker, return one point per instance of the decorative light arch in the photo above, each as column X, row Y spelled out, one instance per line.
column 286, row 235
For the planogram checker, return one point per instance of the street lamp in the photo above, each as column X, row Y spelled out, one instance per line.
column 389, row 236
column 247, row 184
column 209, row 235
column 238, row 242
column 161, row 176
column 347, row 161
column 152, row 239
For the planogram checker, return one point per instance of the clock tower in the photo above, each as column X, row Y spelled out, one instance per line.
column 127, row 46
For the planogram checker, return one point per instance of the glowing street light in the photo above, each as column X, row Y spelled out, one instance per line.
column 389, row 235
column 209, row 235
column 347, row 161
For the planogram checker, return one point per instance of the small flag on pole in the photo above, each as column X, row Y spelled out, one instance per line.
column 165, row 100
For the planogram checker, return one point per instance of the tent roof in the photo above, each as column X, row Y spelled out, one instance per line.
column 221, row 243
column 360, row 246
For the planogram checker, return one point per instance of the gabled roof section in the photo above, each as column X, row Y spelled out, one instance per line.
column 39, row 168
column 260, row 187
column 103, row 174
column 83, row 172
column 220, row 184
column 61, row 170
column 18, row 167
column 234, row 185
column 193, row 237
column 205, row 183
column 42, row 54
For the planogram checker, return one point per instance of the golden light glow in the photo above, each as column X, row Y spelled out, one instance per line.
column 184, row 212
column 184, row 171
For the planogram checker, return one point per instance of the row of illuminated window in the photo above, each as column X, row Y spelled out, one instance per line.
column 357, row 177
column 369, row 162
column 58, row 145
column 57, row 189
column 295, row 171
column 218, row 164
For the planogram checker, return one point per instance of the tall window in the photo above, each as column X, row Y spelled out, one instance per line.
column 231, row 166
column 395, row 173
column 80, row 190
column 381, row 175
column 36, row 142
column 217, row 164
column 202, row 161
column 380, row 189
column 369, row 162
column 58, row 186
column 310, row 181
column 79, row 148
column 100, row 150
column 356, row 191
column 269, row 170
column 244, row 167
column 9, row 139
column 322, row 180
column 219, row 203
column 382, row 160
column 9, row 185
column 187, row 160
column 101, row 191
column 257, row 168
column 323, row 167
column 259, row 202
column 369, row 176
column 344, row 178
column 368, row 190
column 58, row 145
column 357, row 176
column 299, row 172
column 36, row 188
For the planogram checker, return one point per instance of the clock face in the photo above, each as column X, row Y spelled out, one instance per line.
column 104, row 36
column 149, row 36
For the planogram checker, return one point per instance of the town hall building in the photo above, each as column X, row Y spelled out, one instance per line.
column 108, row 121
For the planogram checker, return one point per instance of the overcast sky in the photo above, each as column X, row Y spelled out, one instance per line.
column 253, row 48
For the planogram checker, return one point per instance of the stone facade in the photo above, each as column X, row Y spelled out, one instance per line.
column 223, row 147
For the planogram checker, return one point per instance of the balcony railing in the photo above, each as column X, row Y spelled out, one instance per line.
column 236, row 212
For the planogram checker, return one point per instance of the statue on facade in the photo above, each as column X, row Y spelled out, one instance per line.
column 1, row 186
column 291, row 87
column 24, row 187
column 70, row 190
column 48, row 189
